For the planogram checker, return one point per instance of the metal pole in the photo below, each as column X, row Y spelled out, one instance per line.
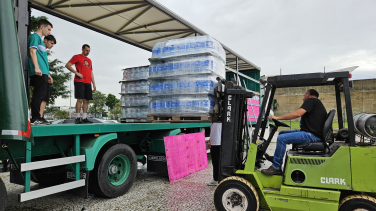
column 237, row 71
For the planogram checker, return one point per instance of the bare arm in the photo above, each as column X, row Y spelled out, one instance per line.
column 92, row 81
column 34, row 59
column 293, row 115
column 70, row 68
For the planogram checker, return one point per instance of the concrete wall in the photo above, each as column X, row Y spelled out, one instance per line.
column 363, row 97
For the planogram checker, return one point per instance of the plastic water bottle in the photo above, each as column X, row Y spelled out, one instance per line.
column 191, row 45
column 209, row 45
column 182, row 46
column 189, row 105
column 159, row 87
column 180, row 105
column 173, row 45
column 132, row 74
column 181, row 67
column 158, row 105
column 187, row 66
column 166, row 49
column 198, row 86
column 190, row 86
column 158, row 70
column 173, row 87
column 173, row 106
column 181, row 86
column 174, row 68
column 166, row 87
column 197, row 68
column 151, row 109
column 157, row 50
column 124, row 112
column 153, row 88
column 165, row 69
column 137, row 73
column 200, row 44
column 136, row 87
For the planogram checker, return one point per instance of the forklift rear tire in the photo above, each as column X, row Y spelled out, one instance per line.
column 361, row 202
column 3, row 195
column 236, row 193
column 114, row 171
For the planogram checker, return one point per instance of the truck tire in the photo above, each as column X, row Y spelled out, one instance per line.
column 114, row 171
column 3, row 195
column 354, row 202
column 236, row 193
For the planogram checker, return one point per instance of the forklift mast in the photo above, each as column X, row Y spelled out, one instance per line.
column 235, row 133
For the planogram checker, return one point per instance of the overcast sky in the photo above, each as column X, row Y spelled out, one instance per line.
column 297, row 36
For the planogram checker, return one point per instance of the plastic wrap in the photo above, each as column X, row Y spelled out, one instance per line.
column 189, row 45
column 203, row 84
column 187, row 65
column 181, row 105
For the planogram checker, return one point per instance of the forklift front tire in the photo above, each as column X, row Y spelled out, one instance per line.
column 355, row 202
column 236, row 193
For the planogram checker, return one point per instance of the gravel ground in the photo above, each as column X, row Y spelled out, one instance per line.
column 150, row 191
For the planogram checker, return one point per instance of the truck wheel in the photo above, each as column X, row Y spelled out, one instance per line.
column 114, row 171
column 3, row 195
column 236, row 193
column 358, row 202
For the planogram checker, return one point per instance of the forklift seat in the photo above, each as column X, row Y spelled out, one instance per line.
column 321, row 145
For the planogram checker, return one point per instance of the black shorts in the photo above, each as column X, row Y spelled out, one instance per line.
column 41, row 86
column 83, row 91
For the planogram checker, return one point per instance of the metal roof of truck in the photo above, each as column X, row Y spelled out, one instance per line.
column 141, row 23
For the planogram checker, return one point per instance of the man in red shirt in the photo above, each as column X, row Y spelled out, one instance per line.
column 82, row 82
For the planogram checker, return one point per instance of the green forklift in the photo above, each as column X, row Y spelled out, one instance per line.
column 338, row 173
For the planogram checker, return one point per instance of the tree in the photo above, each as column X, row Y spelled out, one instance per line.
column 34, row 22
column 116, row 111
column 111, row 101
column 61, row 114
column 98, row 101
column 58, row 89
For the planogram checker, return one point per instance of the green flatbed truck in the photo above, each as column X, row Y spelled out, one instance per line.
column 99, row 157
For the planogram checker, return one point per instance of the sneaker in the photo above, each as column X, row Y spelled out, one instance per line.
column 40, row 122
column 271, row 171
column 77, row 121
column 213, row 183
column 86, row 121
column 45, row 121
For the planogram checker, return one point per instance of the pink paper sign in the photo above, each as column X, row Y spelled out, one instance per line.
column 253, row 110
column 185, row 154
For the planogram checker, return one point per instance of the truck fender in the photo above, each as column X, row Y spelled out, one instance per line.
column 91, row 147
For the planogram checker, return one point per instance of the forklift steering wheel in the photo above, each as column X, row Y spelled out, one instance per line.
column 280, row 124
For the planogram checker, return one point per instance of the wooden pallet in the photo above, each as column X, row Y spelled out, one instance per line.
column 133, row 120
column 180, row 119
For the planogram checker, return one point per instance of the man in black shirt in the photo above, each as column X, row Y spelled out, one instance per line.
column 313, row 116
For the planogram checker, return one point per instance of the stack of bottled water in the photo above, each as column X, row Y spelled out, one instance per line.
column 186, row 65
column 185, row 104
column 136, row 73
column 189, row 45
column 134, row 93
column 183, row 85
column 183, row 76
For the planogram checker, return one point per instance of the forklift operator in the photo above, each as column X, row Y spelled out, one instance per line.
column 313, row 116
